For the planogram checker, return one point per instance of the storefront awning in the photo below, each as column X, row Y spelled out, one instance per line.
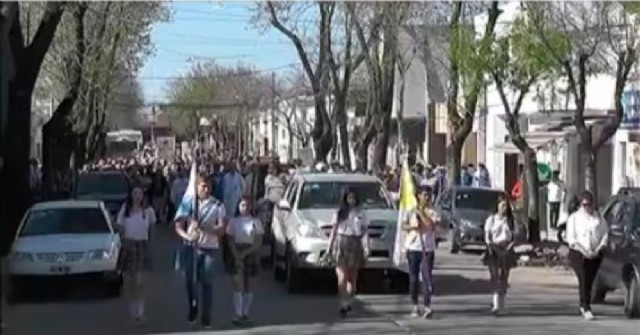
column 537, row 140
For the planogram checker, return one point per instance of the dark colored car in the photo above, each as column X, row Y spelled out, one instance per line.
column 620, row 267
column 628, row 190
column 111, row 187
column 463, row 211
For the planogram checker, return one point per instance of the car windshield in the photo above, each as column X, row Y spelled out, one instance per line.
column 485, row 200
column 329, row 195
column 102, row 183
column 65, row 221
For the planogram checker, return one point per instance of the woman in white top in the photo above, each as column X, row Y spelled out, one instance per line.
column 587, row 234
column 245, row 240
column 135, row 220
column 499, row 236
column 420, row 244
column 273, row 185
column 349, row 247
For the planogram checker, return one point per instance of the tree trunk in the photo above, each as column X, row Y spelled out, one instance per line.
column 533, row 194
column 341, row 121
column 454, row 160
column 15, row 172
column 591, row 174
column 322, row 134
column 58, row 144
column 382, row 144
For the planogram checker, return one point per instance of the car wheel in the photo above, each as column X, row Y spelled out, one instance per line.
column 293, row 275
column 278, row 272
column 599, row 291
column 454, row 246
column 632, row 298
column 15, row 293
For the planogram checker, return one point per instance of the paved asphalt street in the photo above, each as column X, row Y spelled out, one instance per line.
column 541, row 301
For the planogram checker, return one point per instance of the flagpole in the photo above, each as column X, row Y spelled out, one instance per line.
column 196, row 208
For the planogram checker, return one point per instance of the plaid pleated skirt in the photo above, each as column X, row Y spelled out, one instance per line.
column 135, row 256
column 349, row 252
column 500, row 257
column 249, row 266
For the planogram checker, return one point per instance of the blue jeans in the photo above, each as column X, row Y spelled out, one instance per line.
column 200, row 268
column 421, row 264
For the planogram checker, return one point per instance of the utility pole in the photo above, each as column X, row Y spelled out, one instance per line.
column 274, row 125
column 153, row 124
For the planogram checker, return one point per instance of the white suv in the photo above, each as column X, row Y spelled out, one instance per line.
column 302, row 223
column 63, row 240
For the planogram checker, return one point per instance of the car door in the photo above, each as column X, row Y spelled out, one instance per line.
column 280, row 216
column 620, row 244
column 443, row 208
column 613, row 214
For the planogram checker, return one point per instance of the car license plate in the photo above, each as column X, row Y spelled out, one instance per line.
column 60, row 269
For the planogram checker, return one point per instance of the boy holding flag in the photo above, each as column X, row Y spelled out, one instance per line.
column 199, row 221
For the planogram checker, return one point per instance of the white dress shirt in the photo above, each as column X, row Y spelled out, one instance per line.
column 497, row 231
column 555, row 189
column 354, row 225
column 412, row 241
column 587, row 230
column 136, row 225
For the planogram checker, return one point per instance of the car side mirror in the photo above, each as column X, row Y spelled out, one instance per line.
column 284, row 205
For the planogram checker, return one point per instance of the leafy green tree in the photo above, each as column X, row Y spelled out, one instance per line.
column 520, row 60
column 98, row 45
column 598, row 38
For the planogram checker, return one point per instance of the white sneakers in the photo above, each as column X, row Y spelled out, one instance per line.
column 498, row 304
column 426, row 313
column 587, row 314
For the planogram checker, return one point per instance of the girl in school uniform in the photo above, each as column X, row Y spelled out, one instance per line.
column 420, row 244
column 499, row 231
column 135, row 220
column 245, row 241
column 349, row 247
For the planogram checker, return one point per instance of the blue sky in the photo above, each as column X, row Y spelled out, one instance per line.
column 202, row 31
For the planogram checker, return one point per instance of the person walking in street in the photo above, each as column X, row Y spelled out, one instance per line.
column 481, row 177
column 555, row 197
column 200, row 253
column 159, row 194
column 420, row 244
column 178, row 187
column 232, row 188
column 135, row 220
column 499, row 235
column 587, row 234
column 273, row 185
column 245, row 240
column 349, row 247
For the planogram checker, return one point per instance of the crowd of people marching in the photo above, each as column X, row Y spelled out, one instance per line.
column 226, row 227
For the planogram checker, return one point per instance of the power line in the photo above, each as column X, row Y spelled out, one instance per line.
column 231, row 75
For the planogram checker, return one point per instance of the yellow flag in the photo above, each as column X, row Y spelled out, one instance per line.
column 408, row 202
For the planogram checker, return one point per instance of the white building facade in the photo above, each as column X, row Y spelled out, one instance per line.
column 547, row 121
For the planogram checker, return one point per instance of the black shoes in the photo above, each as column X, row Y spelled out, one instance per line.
column 193, row 314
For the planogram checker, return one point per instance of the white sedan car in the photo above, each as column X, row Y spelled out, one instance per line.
column 64, row 240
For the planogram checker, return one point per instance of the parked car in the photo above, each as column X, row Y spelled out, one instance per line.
column 111, row 187
column 620, row 268
column 302, row 223
column 463, row 211
column 66, row 240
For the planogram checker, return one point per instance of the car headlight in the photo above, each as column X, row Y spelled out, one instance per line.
column 22, row 257
column 309, row 230
column 99, row 254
